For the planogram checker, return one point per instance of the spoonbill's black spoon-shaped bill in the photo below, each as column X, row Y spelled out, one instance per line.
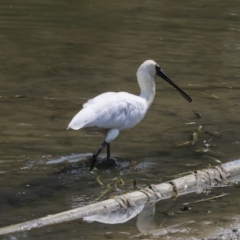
column 116, row 111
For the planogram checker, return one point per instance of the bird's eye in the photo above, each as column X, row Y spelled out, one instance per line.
column 158, row 67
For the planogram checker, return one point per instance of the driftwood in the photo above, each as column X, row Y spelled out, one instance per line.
column 198, row 181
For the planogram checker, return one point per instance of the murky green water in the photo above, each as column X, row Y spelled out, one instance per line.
column 57, row 54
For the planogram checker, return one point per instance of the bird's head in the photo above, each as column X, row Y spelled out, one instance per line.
column 152, row 68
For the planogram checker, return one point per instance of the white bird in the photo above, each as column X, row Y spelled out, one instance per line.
column 117, row 111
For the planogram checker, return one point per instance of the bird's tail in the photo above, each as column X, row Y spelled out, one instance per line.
column 83, row 119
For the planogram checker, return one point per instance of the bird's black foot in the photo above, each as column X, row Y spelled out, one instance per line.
column 104, row 163
column 95, row 155
column 109, row 162
column 94, row 158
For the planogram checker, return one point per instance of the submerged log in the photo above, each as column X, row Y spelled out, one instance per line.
column 198, row 181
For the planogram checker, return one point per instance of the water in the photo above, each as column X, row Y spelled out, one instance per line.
column 55, row 55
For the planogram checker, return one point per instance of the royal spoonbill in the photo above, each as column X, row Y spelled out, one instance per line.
column 116, row 111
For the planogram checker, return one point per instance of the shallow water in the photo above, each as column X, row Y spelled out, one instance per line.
column 55, row 55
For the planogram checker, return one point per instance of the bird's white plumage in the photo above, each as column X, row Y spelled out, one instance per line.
column 117, row 111
column 111, row 110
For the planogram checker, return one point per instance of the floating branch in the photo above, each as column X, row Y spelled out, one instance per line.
column 198, row 181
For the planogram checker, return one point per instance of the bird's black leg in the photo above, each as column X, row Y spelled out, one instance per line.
column 94, row 157
column 108, row 151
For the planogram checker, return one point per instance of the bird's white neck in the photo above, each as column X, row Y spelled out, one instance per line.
column 147, row 86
